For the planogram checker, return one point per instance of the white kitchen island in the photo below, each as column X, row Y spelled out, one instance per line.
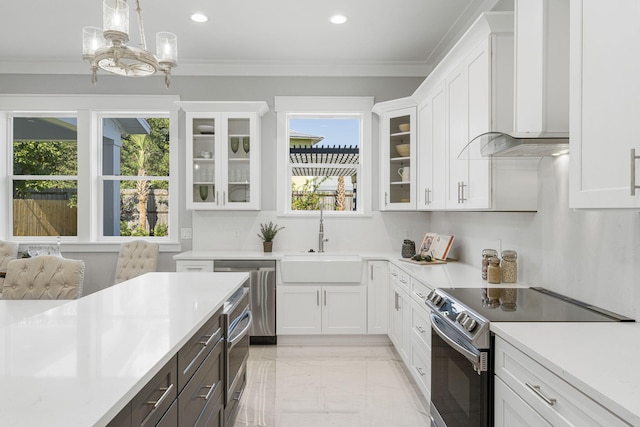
column 79, row 363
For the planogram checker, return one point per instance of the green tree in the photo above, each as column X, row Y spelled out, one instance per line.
column 44, row 158
column 306, row 197
column 146, row 155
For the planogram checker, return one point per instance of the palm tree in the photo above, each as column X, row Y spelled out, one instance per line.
column 340, row 194
column 140, row 142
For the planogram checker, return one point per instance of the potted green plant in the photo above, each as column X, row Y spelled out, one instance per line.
column 267, row 234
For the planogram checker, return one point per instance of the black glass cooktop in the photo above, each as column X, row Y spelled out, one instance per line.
column 531, row 305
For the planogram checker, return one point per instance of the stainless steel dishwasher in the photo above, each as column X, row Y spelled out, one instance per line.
column 262, row 288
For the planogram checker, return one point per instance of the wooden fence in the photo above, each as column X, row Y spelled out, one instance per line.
column 44, row 218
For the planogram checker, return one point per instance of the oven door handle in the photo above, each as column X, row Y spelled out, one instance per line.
column 473, row 358
column 234, row 340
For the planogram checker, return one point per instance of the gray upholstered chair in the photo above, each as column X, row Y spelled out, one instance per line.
column 44, row 277
column 8, row 252
column 136, row 257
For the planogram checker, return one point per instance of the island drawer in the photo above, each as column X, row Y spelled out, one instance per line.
column 194, row 266
column 151, row 403
column 195, row 351
column 204, row 390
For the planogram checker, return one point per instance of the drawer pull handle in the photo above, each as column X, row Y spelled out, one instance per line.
column 420, row 371
column 420, row 329
column 166, row 390
column 536, row 389
column 208, row 395
column 208, row 341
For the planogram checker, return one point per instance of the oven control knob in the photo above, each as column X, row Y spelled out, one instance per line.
column 436, row 299
column 460, row 318
column 470, row 324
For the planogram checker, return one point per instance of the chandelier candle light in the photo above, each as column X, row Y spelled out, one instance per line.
column 107, row 49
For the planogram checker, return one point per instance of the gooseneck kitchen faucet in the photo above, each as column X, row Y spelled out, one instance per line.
column 321, row 238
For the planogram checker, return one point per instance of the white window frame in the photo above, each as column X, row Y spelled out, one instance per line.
column 11, row 176
column 288, row 107
column 89, row 110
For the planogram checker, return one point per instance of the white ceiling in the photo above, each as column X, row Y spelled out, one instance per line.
column 249, row 37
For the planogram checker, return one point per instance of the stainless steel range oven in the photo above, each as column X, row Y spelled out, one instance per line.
column 237, row 323
column 462, row 359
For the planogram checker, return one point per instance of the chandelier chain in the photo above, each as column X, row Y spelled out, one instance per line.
column 143, row 40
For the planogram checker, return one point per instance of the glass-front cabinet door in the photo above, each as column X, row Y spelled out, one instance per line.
column 223, row 156
column 398, row 165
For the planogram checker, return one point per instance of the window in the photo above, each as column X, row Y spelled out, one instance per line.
column 44, row 176
column 89, row 170
column 323, row 146
column 135, row 176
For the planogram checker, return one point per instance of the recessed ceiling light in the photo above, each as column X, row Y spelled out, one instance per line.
column 199, row 17
column 338, row 19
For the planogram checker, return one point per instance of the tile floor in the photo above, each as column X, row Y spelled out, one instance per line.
column 315, row 386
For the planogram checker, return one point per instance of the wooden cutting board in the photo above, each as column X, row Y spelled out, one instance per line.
column 411, row 261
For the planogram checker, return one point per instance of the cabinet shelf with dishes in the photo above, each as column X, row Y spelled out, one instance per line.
column 397, row 154
column 223, row 154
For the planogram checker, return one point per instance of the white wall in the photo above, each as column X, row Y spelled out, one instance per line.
column 593, row 256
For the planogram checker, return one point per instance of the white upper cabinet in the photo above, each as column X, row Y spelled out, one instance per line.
column 432, row 155
column 605, row 104
column 223, row 155
column 468, row 94
column 397, row 154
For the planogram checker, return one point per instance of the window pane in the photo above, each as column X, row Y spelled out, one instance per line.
column 332, row 192
column 324, row 163
column 45, row 208
column 135, row 146
column 45, row 146
column 136, row 208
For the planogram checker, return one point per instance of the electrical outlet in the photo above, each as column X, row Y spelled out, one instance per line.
column 185, row 233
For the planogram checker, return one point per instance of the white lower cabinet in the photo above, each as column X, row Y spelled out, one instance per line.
column 512, row 411
column 528, row 394
column 400, row 321
column 420, row 341
column 312, row 310
column 377, row 297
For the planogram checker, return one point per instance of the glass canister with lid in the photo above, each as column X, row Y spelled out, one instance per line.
column 494, row 272
column 509, row 266
column 486, row 254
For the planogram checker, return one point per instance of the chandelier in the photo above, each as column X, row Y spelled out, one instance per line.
column 106, row 48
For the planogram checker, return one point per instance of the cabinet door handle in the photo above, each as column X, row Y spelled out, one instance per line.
column 536, row 389
column 224, row 198
column 166, row 390
column 420, row 371
column 318, row 298
column 462, row 198
column 634, row 158
column 217, row 198
column 372, row 272
column 427, row 196
column 386, row 198
column 325, row 298
column 420, row 329
column 458, row 191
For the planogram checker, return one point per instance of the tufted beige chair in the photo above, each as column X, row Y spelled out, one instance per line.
column 8, row 252
column 136, row 257
column 44, row 277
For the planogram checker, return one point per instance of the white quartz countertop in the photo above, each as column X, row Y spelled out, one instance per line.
column 453, row 274
column 79, row 363
column 599, row 359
